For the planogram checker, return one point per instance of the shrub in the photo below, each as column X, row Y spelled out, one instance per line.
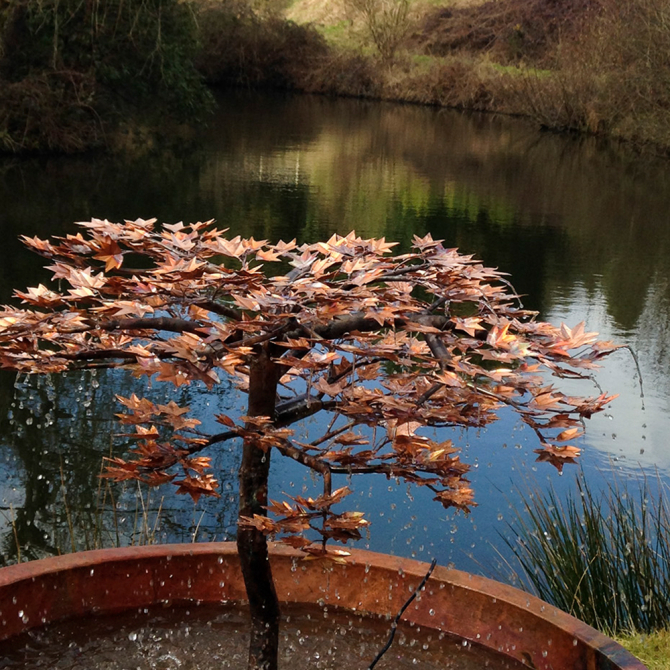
column 613, row 77
column 344, row 74
column 132, row 54
column 49, row 111
column 386, row 22
column 510, row 30
column 240, row 47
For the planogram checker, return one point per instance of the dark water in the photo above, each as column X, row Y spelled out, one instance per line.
column 583, row 229
column 211, row 638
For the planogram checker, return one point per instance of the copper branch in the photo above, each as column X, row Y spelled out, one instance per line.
column 312, row 462
column 220, row 309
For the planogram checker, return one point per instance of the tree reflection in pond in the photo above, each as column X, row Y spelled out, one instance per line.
column 56, row 431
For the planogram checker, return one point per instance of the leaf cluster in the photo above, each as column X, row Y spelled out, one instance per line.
column 375, row 340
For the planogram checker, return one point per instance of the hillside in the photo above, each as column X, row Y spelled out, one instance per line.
column 597, row 66
column 591, row 66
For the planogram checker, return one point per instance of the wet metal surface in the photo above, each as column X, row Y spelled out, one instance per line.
column 504, row 619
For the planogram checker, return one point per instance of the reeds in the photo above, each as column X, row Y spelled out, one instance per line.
column 603, row 557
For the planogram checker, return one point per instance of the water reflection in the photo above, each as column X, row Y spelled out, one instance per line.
column 582, row 228
column 56, row 431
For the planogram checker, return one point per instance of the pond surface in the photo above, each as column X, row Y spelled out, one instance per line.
column 583, row 229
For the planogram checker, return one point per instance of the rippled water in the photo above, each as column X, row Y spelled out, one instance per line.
column 210, row 638
column 583, row 229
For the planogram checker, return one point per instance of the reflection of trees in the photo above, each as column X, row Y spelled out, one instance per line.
column 59, row 429
column 612, row 208
column 306, row 166
column 371, row 164
column 554, row 212
column 653, row 334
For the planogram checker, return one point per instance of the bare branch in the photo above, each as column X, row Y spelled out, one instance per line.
column 146, row 323
column 440, row 352
column 296, row 409
column 340, row 326
column 333, row 433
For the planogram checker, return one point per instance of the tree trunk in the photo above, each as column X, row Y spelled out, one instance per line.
column 251, row 543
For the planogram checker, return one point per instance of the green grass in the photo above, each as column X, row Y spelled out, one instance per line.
column 336, row 32
column 653, row 649
column 341, row 36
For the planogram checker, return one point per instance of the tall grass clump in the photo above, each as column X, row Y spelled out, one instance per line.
column 603, row 557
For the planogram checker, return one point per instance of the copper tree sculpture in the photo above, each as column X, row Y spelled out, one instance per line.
column 387, row 345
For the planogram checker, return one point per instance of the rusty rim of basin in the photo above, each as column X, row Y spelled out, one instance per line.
column 499, row 617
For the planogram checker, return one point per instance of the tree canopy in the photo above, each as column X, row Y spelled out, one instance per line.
column 392, row 347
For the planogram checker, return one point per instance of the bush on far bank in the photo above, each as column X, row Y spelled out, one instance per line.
column 69, row 71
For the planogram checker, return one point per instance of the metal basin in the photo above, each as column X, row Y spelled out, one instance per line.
column 499, row 617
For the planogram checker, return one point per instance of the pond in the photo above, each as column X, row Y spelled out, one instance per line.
column 583, row 229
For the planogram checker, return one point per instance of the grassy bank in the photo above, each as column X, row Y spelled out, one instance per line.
column 653, row 649
column 72, row 74
column 595, row 66
column 591, row 66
